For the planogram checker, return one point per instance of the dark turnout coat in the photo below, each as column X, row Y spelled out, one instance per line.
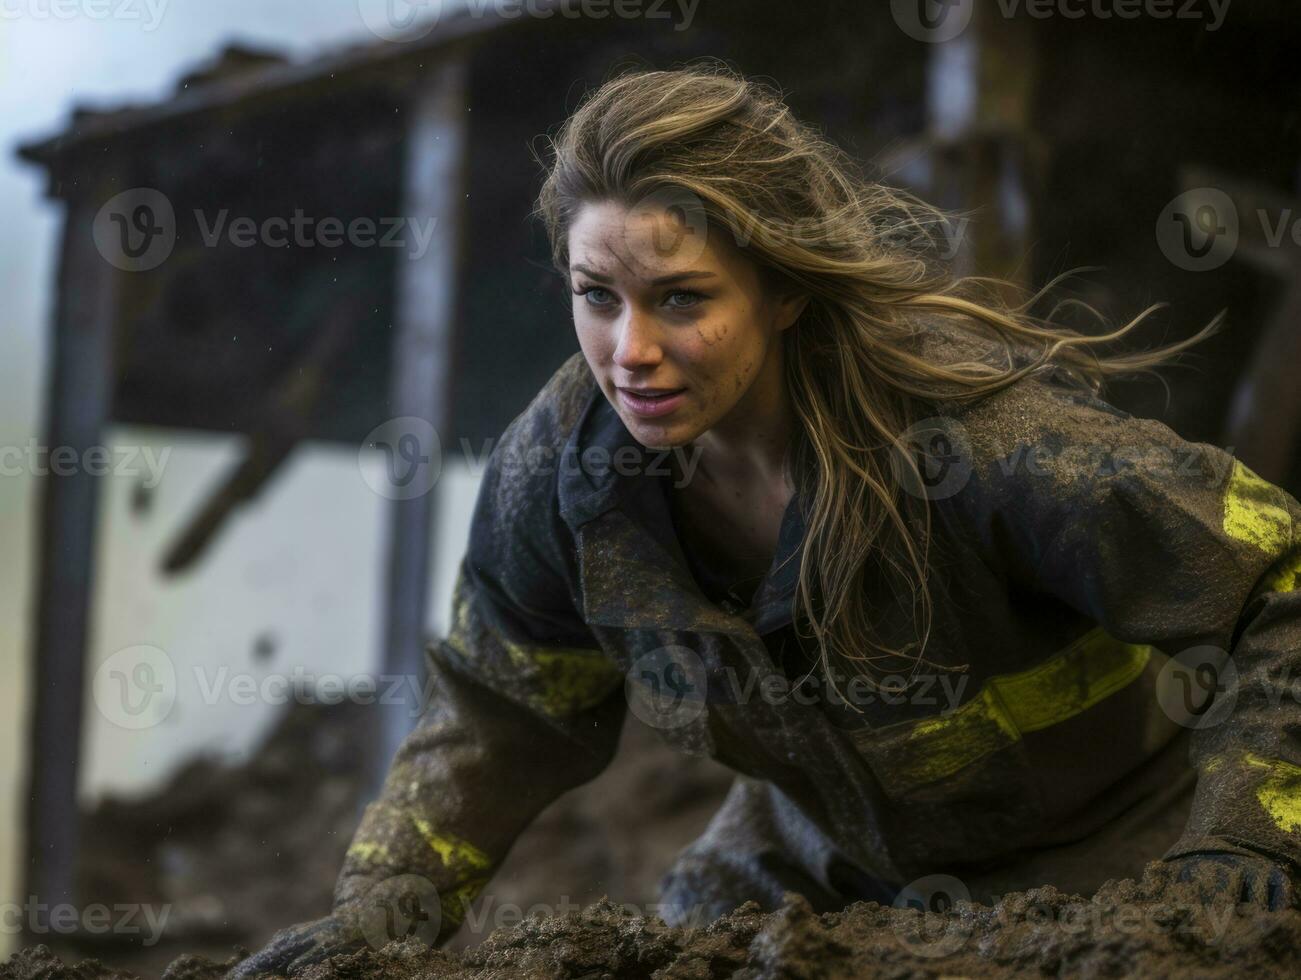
column 1096, row 579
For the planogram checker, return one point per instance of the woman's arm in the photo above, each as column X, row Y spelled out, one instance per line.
column 1169, row 543
column 524, row 705
column 512, row 723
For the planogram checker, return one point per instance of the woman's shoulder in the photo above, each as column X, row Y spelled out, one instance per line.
column 1047, row 442
column 1048, row 404
column 550, row 417
column 1046, row 413
column 522, row 469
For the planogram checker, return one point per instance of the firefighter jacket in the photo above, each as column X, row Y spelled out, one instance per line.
column 1100, row 587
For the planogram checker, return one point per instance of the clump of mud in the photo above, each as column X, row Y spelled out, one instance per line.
column 1128, row 929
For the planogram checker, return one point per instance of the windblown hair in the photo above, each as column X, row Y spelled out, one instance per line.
column 868, row 257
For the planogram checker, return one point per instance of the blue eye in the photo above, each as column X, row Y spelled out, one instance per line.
column 592, row 289
column 693, row 296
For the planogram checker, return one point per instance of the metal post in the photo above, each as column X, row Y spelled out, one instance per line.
column 422, row 351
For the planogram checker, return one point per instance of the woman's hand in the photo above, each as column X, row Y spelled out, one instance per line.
column 292, row 949
column 1221, row 876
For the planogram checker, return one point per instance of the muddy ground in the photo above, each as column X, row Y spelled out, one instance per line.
column 235, row 852
column 239, row 851
column 1121, row 931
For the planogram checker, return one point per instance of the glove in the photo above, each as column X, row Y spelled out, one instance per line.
column 397, row 908
column 291, row 950
column 1220, row 876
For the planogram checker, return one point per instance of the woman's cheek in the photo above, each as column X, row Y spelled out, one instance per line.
column 711, row 335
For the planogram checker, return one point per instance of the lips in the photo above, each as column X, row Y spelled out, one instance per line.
column 650, row 403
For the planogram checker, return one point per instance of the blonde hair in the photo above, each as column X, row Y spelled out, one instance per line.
column 866, row 255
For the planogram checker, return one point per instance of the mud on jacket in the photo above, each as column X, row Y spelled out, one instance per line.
column 1096, row 579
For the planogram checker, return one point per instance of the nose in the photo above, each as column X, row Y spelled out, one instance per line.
column 638, row 343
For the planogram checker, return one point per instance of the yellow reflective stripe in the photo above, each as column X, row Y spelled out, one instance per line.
column 455, row 853
column 456, row 901
column 369, row 851
column 1071, row 681
column 1280, row 792
column 558, row 681
column 1255, row 512
column 1287, row 577
column 569, row 681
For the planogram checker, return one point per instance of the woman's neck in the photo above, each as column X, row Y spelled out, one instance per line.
column 749, row 445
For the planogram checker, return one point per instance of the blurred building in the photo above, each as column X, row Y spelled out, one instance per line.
column 1060, row 142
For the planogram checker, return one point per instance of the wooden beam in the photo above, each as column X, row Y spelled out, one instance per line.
column 77, row 406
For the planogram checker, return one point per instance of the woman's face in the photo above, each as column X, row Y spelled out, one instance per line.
column 673, row 321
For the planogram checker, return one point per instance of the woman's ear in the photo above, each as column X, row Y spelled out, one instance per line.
column 789, row 308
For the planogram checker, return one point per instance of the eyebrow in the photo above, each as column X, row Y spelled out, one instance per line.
column 675, row 277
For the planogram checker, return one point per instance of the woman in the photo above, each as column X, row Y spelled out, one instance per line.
column 857, row 530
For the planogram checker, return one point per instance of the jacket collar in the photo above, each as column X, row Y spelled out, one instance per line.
column 603, row 469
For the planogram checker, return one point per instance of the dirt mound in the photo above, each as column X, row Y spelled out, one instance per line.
column 1128, row 929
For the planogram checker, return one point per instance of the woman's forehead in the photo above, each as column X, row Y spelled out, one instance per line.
column 614, row 242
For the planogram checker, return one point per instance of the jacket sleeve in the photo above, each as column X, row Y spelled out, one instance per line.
column 522, row 705
column 1169, row 543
